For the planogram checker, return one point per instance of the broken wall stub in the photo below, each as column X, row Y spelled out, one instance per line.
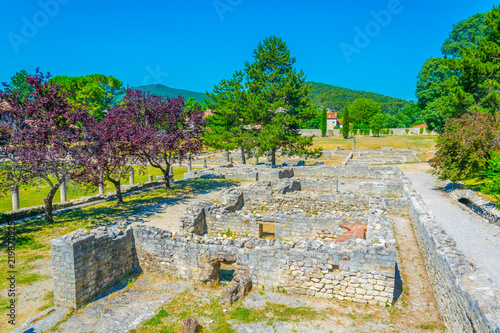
column 86, row 263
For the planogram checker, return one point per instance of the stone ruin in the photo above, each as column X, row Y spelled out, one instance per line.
column 386, row 155
column 292, row 230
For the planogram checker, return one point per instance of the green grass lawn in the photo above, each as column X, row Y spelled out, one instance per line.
column 477, row 184
column 34, row 195
column 425, row 142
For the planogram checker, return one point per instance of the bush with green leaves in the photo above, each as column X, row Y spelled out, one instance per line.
column 466, row 146
column 492, row 176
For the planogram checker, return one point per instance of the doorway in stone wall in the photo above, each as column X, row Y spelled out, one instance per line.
column 267, row 230
column 226, row 272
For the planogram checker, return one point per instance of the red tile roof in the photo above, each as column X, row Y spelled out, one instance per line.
column 207, row 113
column 420, row 126
column 331, row 115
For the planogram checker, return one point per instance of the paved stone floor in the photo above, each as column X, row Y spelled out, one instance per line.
column 478, row 239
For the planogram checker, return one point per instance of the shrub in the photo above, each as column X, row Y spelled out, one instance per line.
column 407, row 130
column 428, row 130
column 492, row 174
column 466, row 145
column 421, row 130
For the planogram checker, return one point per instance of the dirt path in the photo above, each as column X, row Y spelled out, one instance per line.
column 416, row 303
column 167, row 215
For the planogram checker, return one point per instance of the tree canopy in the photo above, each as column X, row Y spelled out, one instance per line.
column 269, row 102
column 362, row 110
column 93, row 92
column 464, row 34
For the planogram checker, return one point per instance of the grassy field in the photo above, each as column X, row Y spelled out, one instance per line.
column 33, row 237
column 34, row 195
column 425, row 142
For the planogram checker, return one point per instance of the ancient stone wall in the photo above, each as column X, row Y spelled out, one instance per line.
column 387, row 189
column 466, row 301
column 362, row 271
column 86, row 263
column 354, row 171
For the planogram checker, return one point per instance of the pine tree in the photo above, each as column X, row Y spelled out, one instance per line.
column 345, row 123
column 281, row 100
column 230, row 126
column 323, row 124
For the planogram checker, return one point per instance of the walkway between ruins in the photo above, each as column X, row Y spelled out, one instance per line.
column 475, row 237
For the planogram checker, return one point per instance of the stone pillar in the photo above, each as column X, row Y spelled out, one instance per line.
column 190, row 166
column 131, row 176
column 150, row 178
column 257, row 160
column 180, row 162
column 62, row 191
column 101, row 184
column 15, row 197
column 353, row 143
column 205, row 163
column 337, row 185
column 231, row 160
column 226, row 155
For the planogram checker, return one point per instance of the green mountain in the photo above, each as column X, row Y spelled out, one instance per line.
column 335, row 98
column 322, row 95
column 161, row 90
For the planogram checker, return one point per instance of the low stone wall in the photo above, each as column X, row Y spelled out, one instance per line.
column 361, row 272
column 479, row 206
column 38, row 210
column 86, row 263
column 387, row 189
column 242, row 172
column 395, row 131
column 352, row 171
column 310, row 202
column 466, row 300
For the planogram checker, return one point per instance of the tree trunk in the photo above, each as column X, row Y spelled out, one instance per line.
column 48, row 205
column 273, row 157
column 166, row 174
column 118, row 188
column 243, row 157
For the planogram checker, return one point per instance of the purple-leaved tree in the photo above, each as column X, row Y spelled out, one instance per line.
column 114, row 143
column 169, row 131
column 43, row 135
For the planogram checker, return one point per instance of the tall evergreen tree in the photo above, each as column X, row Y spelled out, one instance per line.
column 230, row 126
column 281, row 98
column 345, row 123
column 323, row 124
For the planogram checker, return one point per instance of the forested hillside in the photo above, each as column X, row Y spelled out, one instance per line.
column 161, row 90
column 335, row 98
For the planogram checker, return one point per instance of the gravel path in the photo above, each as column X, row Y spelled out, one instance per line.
column 167, row 215
column 475, row 237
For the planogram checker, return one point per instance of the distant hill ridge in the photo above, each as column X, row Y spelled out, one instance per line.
column 322, row 95
column 161, row 90
column 335, row 98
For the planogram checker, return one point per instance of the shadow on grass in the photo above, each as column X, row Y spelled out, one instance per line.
column 31, row 235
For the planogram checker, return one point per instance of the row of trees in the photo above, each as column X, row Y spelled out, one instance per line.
column 52, row 134
column 366, row 114
column 465, row 78
column 260, row 109
column 460, row 97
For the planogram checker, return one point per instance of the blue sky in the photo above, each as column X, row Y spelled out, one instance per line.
column 192, row 44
